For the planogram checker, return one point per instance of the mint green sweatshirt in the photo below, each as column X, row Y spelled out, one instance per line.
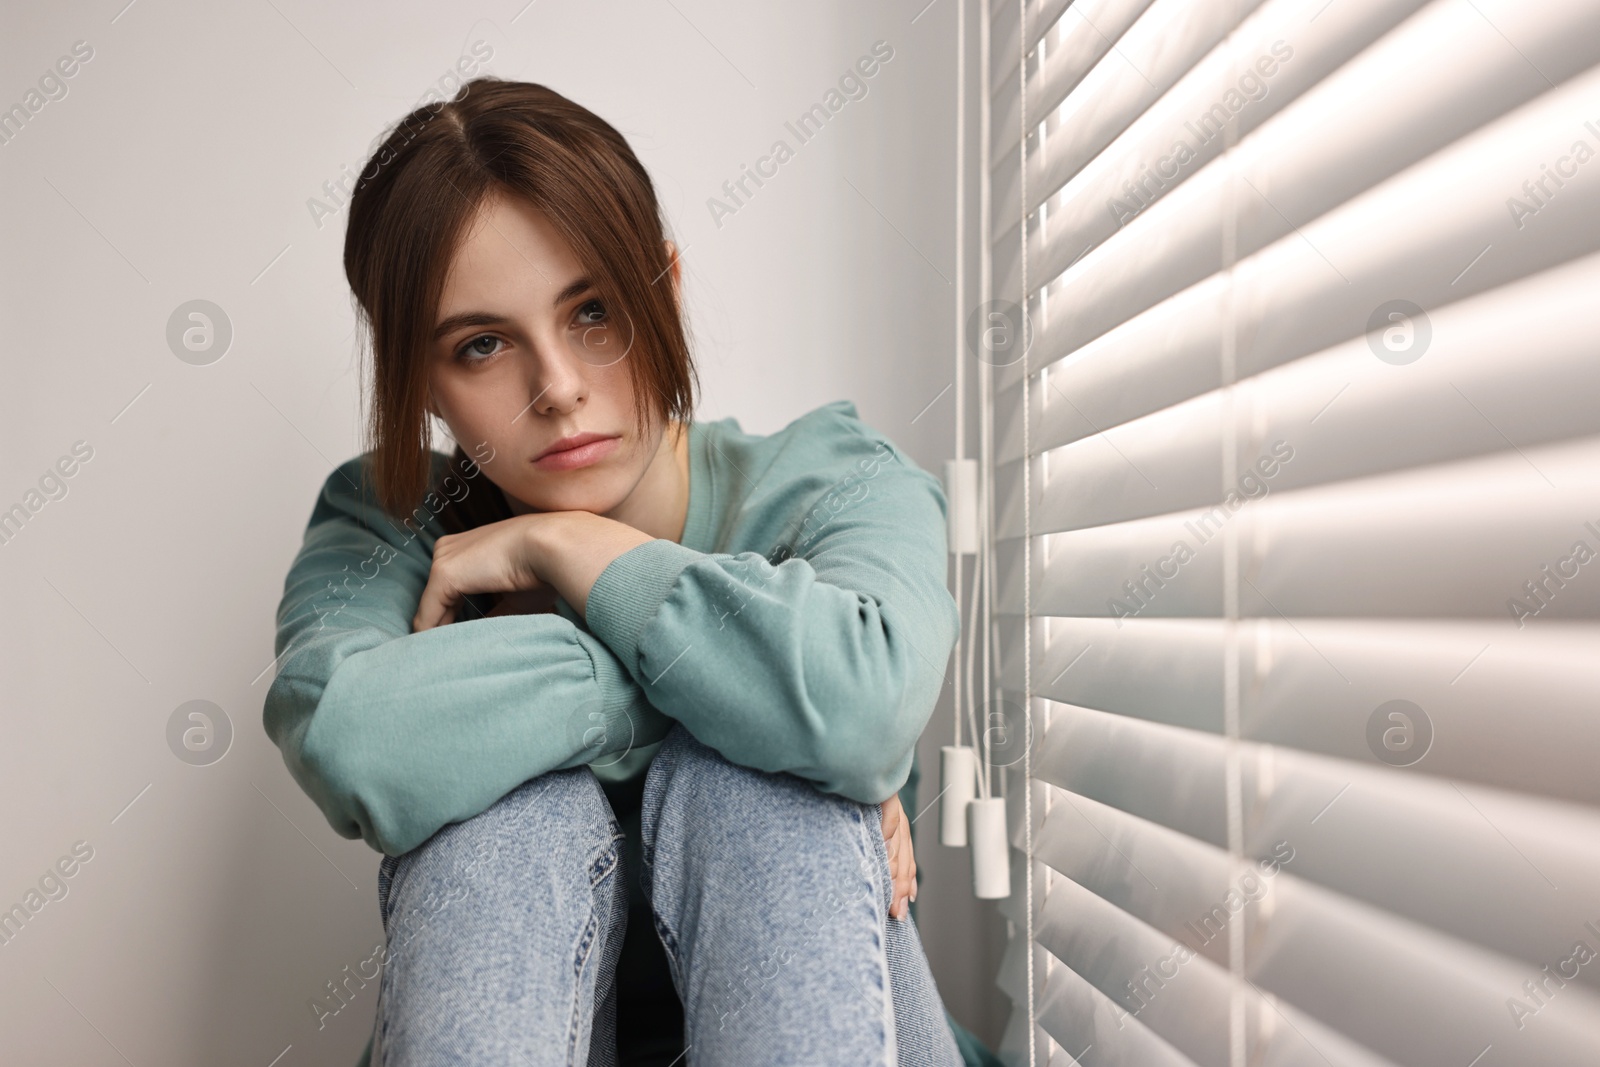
column 803, row 624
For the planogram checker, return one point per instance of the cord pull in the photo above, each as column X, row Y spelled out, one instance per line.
column 958, row 766
column 961, row 493
column 991, row 866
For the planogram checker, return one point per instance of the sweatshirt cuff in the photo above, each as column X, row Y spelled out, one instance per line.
column 629, row 591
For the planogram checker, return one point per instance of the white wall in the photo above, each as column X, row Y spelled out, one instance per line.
column 178, row 166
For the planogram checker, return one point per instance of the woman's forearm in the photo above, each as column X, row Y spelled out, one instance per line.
column 825, row 664
column 569, row 549
column 393, row 733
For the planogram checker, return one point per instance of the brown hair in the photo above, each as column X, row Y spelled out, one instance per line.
column 412, row 204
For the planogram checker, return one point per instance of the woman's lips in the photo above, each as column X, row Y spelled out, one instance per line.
column 573, row 458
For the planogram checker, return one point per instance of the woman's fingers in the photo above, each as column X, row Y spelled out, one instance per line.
column 891, row 812
column 438, row 604
column 902, row 865
column 488, row 559
column 908, row 870
column 911, row 861
column 892, row 845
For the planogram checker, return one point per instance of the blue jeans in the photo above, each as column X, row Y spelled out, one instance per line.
column 769, row 897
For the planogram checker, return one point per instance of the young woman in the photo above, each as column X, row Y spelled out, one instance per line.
column 625, row 699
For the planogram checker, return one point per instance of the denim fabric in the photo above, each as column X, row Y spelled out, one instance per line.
column 768, row 900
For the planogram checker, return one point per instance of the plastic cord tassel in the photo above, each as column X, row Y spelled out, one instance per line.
column 958, row 766
column 961, row 493
column 991, row 867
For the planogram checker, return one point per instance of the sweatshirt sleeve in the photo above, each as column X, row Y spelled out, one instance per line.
column 395, row 734
column 826, row 664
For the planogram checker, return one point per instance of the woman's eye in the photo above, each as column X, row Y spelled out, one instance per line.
column 472, row 353
column 592, row 313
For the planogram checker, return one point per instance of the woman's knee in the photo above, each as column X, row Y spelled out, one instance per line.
column 555, row 818
column 501, row 928
column 692, row 786
column 771, row 897
column 698, row 802
column 688, row 773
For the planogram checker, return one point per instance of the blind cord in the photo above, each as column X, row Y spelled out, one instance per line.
column 1233, row 784
column 1027, row 521
column 985, row 399
column 973, row 608
column 961, row 380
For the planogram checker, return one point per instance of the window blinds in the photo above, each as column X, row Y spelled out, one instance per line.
column 1296, row 509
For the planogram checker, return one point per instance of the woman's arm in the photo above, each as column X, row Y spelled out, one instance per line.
column 826, row 664
column 895, row 826
column 395, row 734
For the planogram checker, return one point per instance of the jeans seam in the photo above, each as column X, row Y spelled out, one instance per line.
column 877, row 853
column 388, row 869
column 603, row 864
column 577, row 990
column 668, row 940
column 380, row 1022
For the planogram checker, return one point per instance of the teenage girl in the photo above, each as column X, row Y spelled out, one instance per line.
column 625, row 699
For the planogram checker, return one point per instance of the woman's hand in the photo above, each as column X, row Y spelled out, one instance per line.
column 902, row 864
column 543, row 554
column 494, row 558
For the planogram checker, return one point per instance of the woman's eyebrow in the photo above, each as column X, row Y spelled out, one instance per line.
column 577, row 288
column 469, row 318
column 484, row 318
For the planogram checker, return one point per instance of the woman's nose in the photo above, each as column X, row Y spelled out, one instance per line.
column 556, row 379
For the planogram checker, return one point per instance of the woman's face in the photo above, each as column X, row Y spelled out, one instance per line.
column 525, row 355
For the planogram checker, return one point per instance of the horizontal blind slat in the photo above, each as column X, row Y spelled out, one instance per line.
column 1114, row 761
column 1314, row 684
column 1413, row 543
column 1168, row 671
